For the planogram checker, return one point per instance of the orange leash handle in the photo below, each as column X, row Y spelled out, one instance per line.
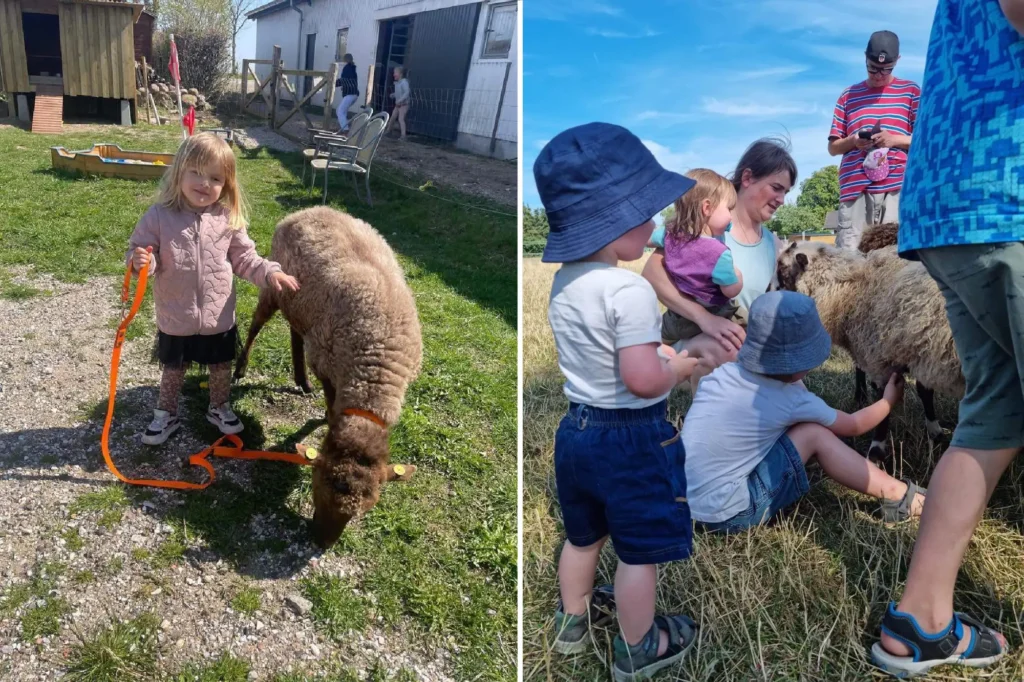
column 234, row 450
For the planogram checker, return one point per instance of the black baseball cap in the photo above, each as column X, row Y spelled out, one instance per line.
column 883, row 47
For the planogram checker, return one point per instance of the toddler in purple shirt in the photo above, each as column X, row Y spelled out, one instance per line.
column 697, row 260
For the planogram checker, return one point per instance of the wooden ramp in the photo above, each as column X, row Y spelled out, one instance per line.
column 48, row 115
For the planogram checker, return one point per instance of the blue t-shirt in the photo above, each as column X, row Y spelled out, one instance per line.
column 756, row 262
column 964, row 182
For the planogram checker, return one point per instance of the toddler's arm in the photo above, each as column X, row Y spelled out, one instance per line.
column 247, row 263
column 648, row 375
column 145, row 235
column 727, row 276
column 862, row 421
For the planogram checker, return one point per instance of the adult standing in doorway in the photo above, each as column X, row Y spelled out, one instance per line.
column 349, row 84
column 872, row 127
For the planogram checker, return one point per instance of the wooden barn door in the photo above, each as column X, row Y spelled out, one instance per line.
column 99, row 50
column 13, row 63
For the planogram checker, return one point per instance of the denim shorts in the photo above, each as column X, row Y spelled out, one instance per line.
column 777, row 482
column 983, row 286
column 621, row 473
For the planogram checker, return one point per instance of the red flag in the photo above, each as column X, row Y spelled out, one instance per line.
column 173, row 65
column 189, row 121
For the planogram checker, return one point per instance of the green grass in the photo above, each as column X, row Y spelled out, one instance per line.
column 227, row 668
column 438, row 552
column 125, row 650
column 337, row 609
column 108, row 499
column 72, row 539
column 43, row 610
column 798, row 600
column 247, row 600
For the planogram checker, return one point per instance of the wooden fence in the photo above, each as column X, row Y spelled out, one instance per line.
column 268, row 90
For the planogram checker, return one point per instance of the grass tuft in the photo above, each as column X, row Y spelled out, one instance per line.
column 124, row 651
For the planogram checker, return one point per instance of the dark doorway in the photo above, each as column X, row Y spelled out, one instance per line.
column 42, row 44
column 307, row 81
column 435, row 48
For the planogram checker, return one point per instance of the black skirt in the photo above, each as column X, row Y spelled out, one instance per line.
column 174, row 351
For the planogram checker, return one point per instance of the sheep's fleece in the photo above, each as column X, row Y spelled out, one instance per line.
column 887, row 312
column 354, row 309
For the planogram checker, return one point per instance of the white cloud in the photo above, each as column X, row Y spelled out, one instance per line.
column 679, row 162
column 604, row 33
column 665, row 116
column 540, row 144
column 780, row 72
column 566, row 10
column 749, row 109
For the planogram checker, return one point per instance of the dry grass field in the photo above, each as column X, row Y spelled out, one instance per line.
column 797, row 600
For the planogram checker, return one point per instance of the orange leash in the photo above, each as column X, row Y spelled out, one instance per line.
column 233, row 448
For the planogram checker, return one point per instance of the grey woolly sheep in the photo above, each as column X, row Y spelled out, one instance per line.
column 354, row 319
column 885, row 311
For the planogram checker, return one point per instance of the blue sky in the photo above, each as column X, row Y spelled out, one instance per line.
column 699, row 80
column 245, row 43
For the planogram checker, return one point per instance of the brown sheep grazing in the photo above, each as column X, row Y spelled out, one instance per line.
column 354, row 319
column 886, row 312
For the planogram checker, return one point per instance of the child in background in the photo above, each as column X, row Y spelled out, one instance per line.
column 753, row 426
column 696, row 258
column 401, row 95
column 619, row 463
column 194, row 239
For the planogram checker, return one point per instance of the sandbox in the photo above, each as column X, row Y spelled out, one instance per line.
column 112, row 161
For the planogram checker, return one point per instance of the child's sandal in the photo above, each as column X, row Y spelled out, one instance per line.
column 572, row 633
column 901, row 511
column 931, row 650
column 641, row 662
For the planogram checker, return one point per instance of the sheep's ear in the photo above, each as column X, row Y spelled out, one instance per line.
column 401, row 472
column 792, row 245
column 801, row 260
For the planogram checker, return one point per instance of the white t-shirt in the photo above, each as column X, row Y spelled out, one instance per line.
column 595, row 310
column 734, row 421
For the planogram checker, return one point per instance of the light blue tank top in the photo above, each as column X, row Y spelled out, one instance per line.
column 756, row 262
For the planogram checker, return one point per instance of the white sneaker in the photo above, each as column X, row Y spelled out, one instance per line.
column 224, row 419
column 163, row 425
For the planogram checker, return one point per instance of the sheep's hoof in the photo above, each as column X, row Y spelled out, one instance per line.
column 878, row 452
column 305, row 387
column 935, row 430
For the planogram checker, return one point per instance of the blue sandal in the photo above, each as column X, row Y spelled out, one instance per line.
column 931, row 650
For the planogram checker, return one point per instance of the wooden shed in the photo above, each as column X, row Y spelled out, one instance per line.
column 52, row 50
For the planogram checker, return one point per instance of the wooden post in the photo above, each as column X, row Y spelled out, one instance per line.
column 145, row 86
column 369, row 85
column 501, row 103
column 245, row 87
column 332, row 75
column 275, row 85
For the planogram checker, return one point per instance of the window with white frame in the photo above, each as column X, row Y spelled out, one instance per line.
column 501, row 26
column 342, row 48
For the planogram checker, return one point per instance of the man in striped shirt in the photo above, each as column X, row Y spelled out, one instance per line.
column 876, row 113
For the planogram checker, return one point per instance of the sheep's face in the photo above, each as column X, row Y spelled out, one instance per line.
column 793, row 263
column 347, row 476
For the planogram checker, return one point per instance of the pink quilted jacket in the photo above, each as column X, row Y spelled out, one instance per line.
column 194, row 258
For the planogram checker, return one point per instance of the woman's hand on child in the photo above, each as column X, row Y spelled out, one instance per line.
column 279, row 281
column 894, row 389
column 141, row 258
column 726, row 332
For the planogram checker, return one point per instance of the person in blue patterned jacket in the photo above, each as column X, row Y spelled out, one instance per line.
column 962, row 216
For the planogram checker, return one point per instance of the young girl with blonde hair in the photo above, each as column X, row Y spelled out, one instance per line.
column 697, row 260
column 194, row 240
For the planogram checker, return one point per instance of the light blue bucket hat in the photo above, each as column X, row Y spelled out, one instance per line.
column 784, row 335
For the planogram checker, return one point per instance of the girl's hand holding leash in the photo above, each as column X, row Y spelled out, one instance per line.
column 141, row 258
column 279, row 280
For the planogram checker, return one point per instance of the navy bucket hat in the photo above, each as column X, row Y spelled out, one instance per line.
column 597, row 182
column 784, row 335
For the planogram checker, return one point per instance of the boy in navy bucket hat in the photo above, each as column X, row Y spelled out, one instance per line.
column 619, row 463
column 753, row 426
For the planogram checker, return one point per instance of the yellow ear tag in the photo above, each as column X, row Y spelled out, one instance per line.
column 399, row 470
column 311, row 453
column 204, row 384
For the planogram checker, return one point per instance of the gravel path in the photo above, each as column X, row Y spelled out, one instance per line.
column 52, row 378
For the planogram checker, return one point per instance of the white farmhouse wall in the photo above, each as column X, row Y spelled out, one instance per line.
column 362, row 18
column 483, row 92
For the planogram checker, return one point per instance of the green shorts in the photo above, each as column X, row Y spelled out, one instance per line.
column 675, row 327
column 984, row 290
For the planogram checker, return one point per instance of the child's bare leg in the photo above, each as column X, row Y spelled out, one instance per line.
column 576, row 568
column 634, row 600
column 170, row 388
column 220, row 383
column 846, row 466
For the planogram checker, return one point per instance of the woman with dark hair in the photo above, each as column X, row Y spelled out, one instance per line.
column 762, row 178
column 349, row 84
